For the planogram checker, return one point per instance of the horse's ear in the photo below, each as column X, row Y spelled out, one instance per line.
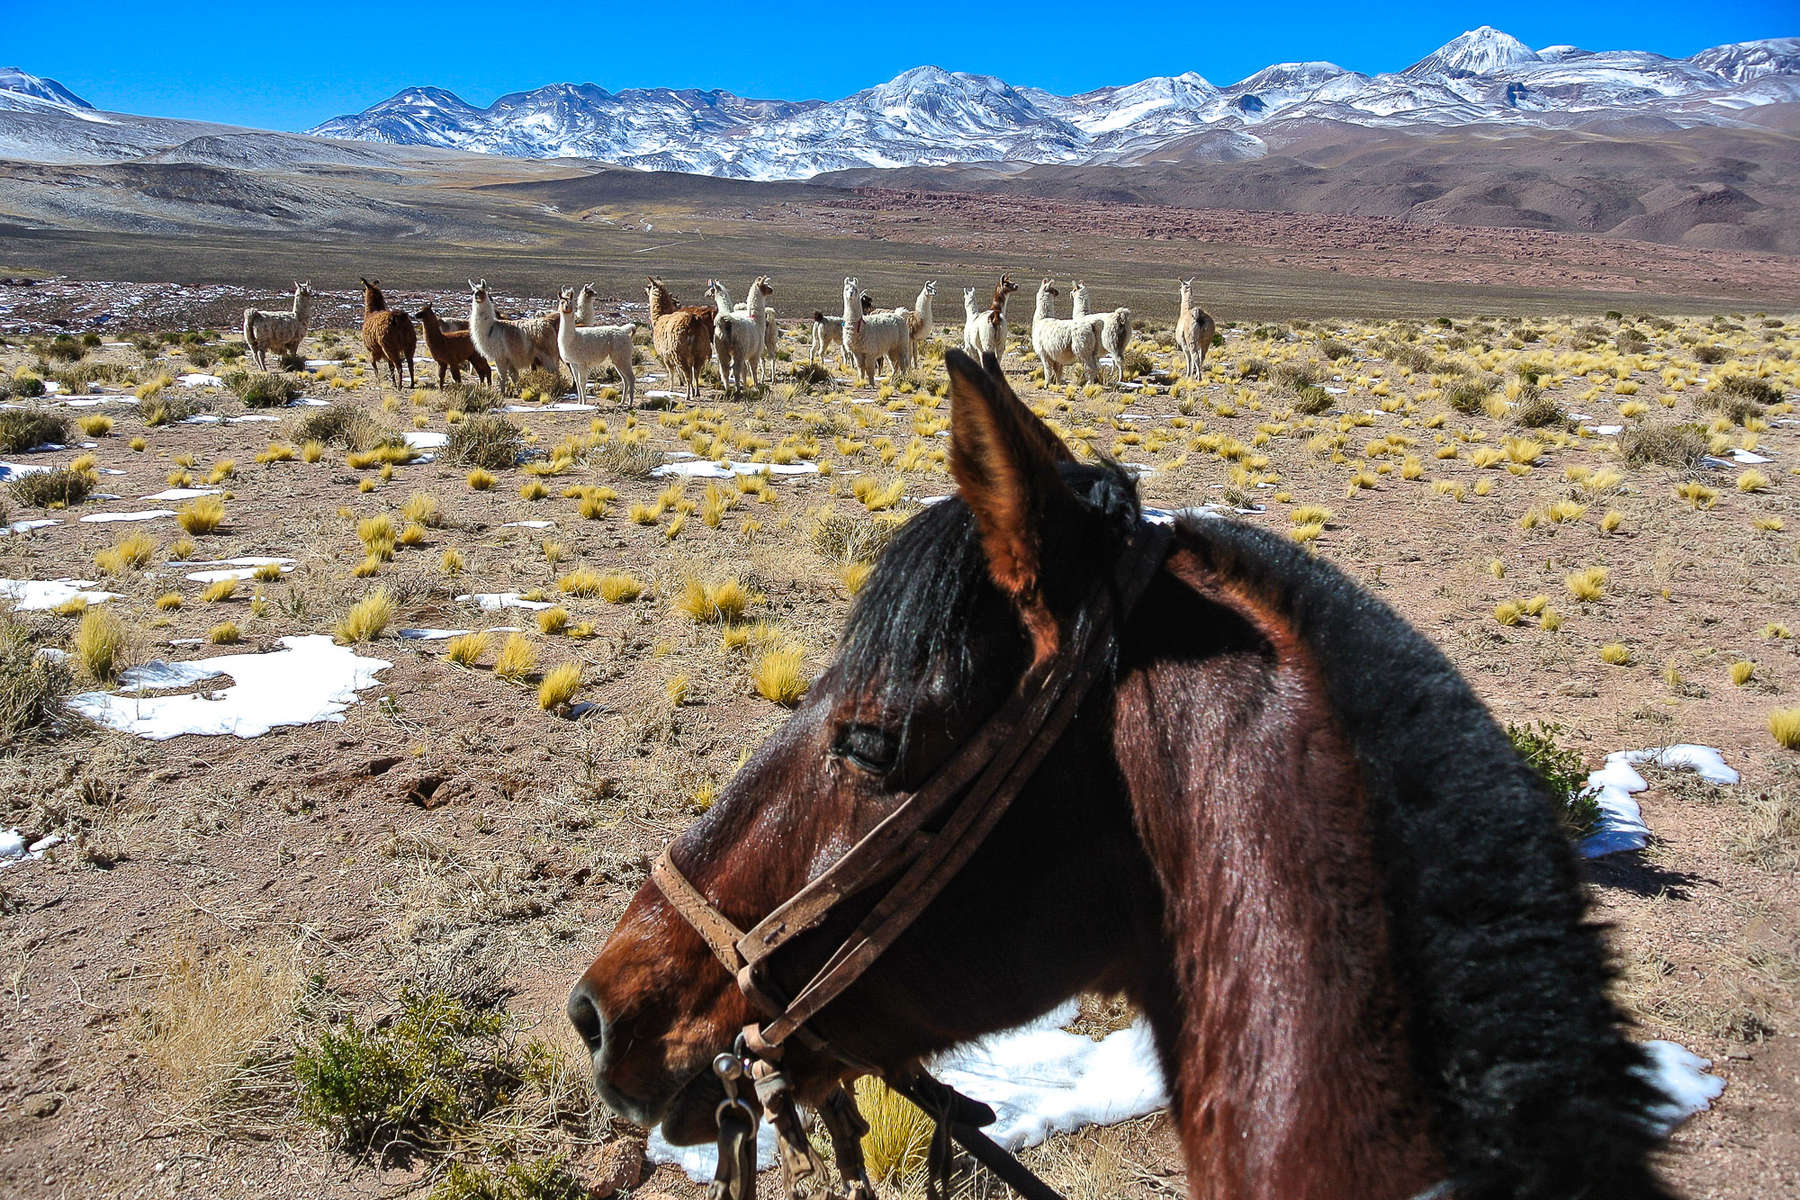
column 1004, row 460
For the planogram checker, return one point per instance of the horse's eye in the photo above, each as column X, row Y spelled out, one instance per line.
column 869, row 747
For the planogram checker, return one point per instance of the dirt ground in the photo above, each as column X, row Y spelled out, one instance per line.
column 214, row 901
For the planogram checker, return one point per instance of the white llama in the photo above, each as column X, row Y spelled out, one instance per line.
column 826, row 333
column 1115, row 326
column 875, row 336
column 1194, row 331
column 920, row 322
column 278, row 332
column 1059, row 343
column 586, row 347
column 737, row 336
column 770, row 329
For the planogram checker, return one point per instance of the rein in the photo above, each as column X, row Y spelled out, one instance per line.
column 927, row 838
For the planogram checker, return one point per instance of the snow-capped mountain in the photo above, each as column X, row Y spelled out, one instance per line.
column 20, row 91
column 929, row 116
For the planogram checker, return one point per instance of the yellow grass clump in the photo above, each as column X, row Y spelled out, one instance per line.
column 169, row 601
column 704, row 602
column 779, row 673
column 219, row 591
column 1752, row 481
column 1616, row 654
column 1784, row 726
column 225, row 633
column 96, row 426
column 452, row 562
column 130, row 553
column 1612, row 520
column 899, row 1138
column 423, row 508
column 1586, row 585
column 101, row 644
column 467, row 649
column 201, row 515
column 1508, row 612
column 552, row 621
column 481, row 480
column 559, row 687
column 516, row 659
column 1742, row 672
column 367, row 618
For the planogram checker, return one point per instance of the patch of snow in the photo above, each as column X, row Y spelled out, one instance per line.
column 149, row 514
column 1620, row 826
column 14, row 850
column 232, row 568
column 36, row 595
column 308, row 680
column 1681, row 1075
column 28, row 526
column 11, row 471
column 428, row 635
column 1605, row 430
column 495, row 601
column 183, row 493
column 199, row 379
column 529, row 525
column 701, row 469
column 420, row 439
column 559, row 406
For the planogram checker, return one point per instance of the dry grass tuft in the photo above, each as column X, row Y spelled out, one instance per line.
column 1784, row 727
column 516, row 659
column 367, row 618
column 899, row 1138
column 467, row 649
column 102, row 643
column 559, row 687
column 203, row 514
column 779, row 673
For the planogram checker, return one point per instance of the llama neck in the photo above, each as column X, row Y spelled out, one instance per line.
column 303, row 305
column 1080, row 308
column 1286, row 1054
column 852, row 310
column 1043, row 306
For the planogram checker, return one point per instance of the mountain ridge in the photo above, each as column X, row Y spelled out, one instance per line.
column 928, row 116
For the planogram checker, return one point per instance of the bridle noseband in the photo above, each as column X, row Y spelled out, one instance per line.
column 927, row 839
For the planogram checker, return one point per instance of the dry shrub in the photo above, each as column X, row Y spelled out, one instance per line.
column 52, row 489
column 32, row 687
column 1665, row 444
column 23, row 428
column 485, row 440
column 102, row 644
column 342, row 424
column 634, row 460
column 1536, row 409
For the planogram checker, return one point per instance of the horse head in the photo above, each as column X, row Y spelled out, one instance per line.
column 971, row 593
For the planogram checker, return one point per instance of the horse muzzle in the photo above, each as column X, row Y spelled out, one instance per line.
column 682, row 1104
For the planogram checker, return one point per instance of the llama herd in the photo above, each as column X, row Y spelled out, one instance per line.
column 740, row 338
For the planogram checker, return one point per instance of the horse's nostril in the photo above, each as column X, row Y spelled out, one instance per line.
column 584, row 1014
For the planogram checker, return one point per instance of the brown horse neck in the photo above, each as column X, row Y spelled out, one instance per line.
column 1287, row 1051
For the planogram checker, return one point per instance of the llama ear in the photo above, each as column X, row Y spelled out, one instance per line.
column 1004, row 461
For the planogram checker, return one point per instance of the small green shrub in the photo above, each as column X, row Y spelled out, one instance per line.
column 1665, row 444
column 1465, row 396
column 423, row 1080
column 1559, row 766
column 535, row 1179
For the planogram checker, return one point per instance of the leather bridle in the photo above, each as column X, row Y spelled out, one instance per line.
column 927, row 839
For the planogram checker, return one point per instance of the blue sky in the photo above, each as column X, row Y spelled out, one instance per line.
column 292, row 65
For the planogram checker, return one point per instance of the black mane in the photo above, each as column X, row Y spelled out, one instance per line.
column 913, row 629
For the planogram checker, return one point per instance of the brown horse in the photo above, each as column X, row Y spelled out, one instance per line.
column 1282, row 823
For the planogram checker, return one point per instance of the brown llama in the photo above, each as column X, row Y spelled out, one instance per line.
column 682, row 337
column 388, row 336
column 452, row 349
